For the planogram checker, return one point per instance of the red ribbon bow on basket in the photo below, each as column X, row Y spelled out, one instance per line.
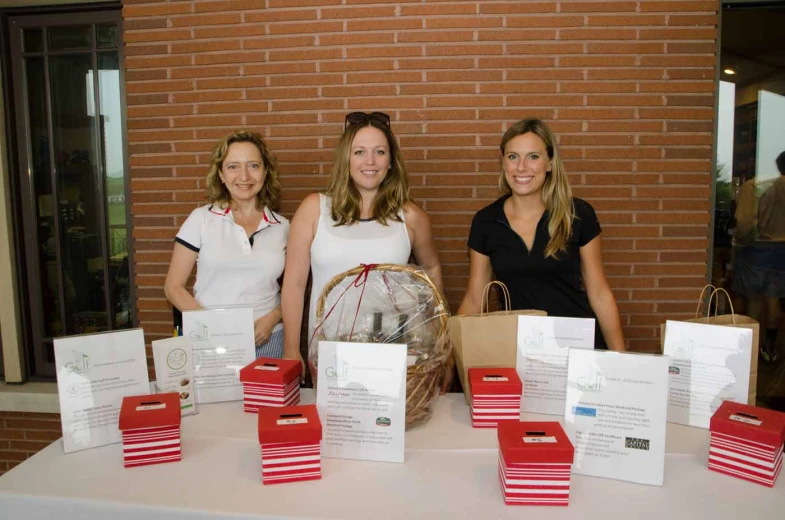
column 359, row 282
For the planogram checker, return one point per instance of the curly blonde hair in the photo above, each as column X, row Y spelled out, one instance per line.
column 217, row 193
column 556, row 191
column 393, row 192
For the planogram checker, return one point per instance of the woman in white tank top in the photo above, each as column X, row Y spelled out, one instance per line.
column 366, row 217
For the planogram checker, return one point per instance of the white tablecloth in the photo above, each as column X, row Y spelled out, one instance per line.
column 450, row 472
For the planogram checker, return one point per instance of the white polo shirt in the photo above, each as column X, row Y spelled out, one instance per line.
column 232, row 269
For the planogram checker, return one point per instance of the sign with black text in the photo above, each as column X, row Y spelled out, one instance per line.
column 361, row 398
column 615, row 414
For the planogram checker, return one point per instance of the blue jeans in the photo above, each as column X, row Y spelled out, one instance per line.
column 273, row 348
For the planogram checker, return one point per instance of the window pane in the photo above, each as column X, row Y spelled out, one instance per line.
column 69, row 38
column 73, row 122
column 114, row 166
column 33, row 40
column 45, row 199
column 106, row 36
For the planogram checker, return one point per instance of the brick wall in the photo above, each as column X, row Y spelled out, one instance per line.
column 628, row 86
column 23, row 434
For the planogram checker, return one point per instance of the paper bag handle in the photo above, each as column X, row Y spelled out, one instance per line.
column 717, row 292
column 700, row 299
column 486, row 293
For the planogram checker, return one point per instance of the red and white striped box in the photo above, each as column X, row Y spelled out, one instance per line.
column 535, row 460
column 270, row 382
column 151, row 429
column 495, row 396
column 747, row 442
column 290, row 438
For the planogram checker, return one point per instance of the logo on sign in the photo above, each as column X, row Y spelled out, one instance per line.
column 80, row 364
column 202, row 332
column 636, row 444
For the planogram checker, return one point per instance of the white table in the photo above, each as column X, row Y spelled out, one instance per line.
column 450, row 472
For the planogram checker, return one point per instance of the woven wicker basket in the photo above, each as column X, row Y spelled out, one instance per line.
column 423, row 378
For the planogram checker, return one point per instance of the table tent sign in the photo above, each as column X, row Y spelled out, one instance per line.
column 174, row 370
column 94, row 373
column 709, row 364
column 543, row 343
column 615, row 414
column 361, row 398
column 223, row 344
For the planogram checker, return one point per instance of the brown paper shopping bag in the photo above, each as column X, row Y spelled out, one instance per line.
column 488, row 339
column 727, row 320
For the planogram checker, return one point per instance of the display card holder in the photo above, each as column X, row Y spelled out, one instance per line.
column 543, row 343
column 361, row 399
column 709, row 364
column 94, row 373
column 174, row 370
column 615, row 414
column 223, row 344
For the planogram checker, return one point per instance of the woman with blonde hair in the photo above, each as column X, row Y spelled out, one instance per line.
column 539, row 240
column 366, row 217
column 237, row 240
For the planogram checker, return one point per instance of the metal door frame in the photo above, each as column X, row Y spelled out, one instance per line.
column 24, row 158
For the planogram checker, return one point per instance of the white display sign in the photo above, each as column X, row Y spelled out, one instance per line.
column 361, row 398
column 709, row 364
column 223, row 343
column 543, row 344
column 94, row 373
column 174, row 370
column 615, row 414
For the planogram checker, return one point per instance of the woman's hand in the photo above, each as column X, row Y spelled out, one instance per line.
column 297, row 356
column 449, row 374
column 263, row 327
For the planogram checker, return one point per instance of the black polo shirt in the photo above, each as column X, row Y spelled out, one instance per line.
column 554, row 285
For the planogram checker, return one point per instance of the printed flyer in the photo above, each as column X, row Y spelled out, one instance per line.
column 223, row 343
column 615, row 414
column 361, row 399
column 709, row 364
column 94, row 373
column 543, row 344
column 174, row 371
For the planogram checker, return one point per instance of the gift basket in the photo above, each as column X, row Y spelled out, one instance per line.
column 388, row 303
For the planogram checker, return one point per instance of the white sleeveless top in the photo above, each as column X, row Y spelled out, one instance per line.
column 336, row 249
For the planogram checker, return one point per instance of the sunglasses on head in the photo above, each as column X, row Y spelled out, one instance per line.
column 361, row 118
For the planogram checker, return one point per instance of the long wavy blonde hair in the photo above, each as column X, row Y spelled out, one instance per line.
column 217, row 193
column 393, row 192
column 556, row 192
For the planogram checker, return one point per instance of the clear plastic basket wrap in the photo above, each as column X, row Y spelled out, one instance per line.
column 388, row 303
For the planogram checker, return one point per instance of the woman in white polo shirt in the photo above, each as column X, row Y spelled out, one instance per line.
column 366, row 217
column 237, row 241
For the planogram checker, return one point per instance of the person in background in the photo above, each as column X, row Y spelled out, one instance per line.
column 237, row 240
column 366, row 217
column 759, row 263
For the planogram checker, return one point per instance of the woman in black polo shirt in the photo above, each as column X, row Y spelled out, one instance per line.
column 538, row 240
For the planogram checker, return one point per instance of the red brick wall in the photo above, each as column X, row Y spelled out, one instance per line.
column 628, row 86
column 23, row 434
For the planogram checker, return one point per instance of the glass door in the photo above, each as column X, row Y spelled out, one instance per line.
column 69, row 119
